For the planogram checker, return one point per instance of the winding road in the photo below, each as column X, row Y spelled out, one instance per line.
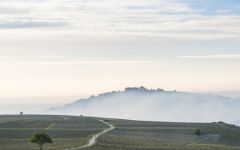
column 93, row 140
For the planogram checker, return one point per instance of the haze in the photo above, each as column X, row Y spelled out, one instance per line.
column 59, row 50
column 155, row 104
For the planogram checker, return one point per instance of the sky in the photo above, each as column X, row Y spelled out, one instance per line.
column 76, row 48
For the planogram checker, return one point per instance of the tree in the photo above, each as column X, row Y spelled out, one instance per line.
column 41, row 138
column 197, row 132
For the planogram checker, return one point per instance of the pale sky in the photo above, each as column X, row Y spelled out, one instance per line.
column 71, row 48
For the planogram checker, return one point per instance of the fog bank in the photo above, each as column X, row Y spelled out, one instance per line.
column 156, row 105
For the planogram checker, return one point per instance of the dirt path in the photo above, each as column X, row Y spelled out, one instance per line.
column 50, row 126
column 93, row 140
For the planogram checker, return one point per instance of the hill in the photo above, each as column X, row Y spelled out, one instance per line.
column 75, row 131
column 156, row 105
column 144, row 135
column 66, row 131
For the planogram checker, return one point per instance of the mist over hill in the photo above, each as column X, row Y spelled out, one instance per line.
column 139, row 103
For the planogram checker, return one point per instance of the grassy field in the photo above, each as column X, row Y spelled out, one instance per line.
column 66, row 131
column 137, row 135
column 70, row 131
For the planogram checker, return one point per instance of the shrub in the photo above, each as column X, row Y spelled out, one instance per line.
column 197, row 132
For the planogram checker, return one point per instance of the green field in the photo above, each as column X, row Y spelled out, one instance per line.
column 140, row 135
column 73, row 131
column 66, row 131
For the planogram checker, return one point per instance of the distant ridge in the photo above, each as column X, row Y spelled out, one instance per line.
column 140, row 103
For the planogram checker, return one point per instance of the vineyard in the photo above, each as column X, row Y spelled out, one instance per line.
column 140, row 135
column 66, row 131
column 75, row 131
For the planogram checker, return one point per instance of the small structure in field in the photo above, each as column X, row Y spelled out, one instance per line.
column 21, row 114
